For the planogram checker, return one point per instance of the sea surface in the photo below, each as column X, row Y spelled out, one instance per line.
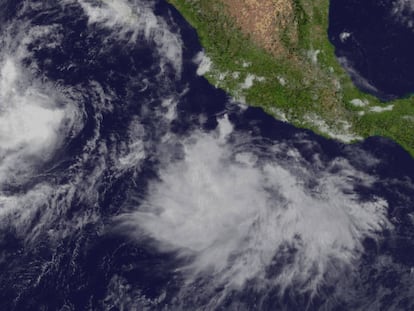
column 128, row 182
column 375, row 40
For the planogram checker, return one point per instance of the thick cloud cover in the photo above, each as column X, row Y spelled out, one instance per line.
column 35, row 116
column 236, row 211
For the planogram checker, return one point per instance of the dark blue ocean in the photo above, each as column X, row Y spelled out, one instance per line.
column 378, row 45
column 128, row 182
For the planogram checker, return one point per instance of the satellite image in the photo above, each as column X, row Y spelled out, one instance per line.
column 206, row 155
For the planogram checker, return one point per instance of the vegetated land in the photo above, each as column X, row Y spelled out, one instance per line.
column 276, row 54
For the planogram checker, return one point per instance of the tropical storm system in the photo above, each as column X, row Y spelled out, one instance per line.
column 129, row 182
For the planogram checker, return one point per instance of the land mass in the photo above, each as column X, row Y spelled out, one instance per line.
column 276, row 54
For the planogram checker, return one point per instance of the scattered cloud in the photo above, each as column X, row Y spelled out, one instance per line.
column 343, row 36
column 132, row 19
column 235, row 213
column 35, row 116
column 204, row 63
column 249, row 80
column 358, row 78
column 381, row 109
column 341, row 131
column 359, row 102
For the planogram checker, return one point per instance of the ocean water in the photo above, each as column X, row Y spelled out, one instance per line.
column 375, row 42
column 128, row 182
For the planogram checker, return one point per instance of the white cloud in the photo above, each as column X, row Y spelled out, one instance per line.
column 133, row 19
column 35, row 117
column 246, row 64
column 249, row 80
column 313, row 55
column 131, row 150
column 381, row 109
column 359, row 102
column 341, row 131
column 402, row 12
column 111, row 12
column 235, row 214
column 344, row 36
column 281, row 80
column 204, row 63
column 400, row 5
column 356, row 75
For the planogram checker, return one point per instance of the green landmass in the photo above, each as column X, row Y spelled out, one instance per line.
column 304, row 84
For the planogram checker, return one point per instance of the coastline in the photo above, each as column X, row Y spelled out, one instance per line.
column 303, row 83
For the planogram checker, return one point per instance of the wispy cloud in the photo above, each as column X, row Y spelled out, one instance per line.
column 358, row 78
column 132, row 19
column 234, row 213
column 35, row 116
column 402, row 11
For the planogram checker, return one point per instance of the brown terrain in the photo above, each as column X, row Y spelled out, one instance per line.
column 264, row 21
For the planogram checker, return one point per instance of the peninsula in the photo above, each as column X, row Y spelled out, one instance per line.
column 276, row 54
